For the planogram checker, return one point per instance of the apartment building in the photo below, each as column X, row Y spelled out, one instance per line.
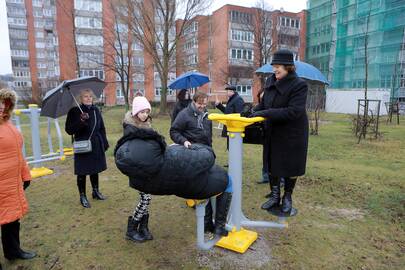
column 225, row 46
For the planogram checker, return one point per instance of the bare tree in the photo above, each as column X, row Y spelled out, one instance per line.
column 118, row 57
column 153, row 24
column 263, row 32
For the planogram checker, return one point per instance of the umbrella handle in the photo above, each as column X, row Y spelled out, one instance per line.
column 77, row 103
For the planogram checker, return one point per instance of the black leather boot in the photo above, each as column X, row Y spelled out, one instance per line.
column 208, row 224
column 132, row 231
column 287, row 198
column 81, row 184
column 143, row 227
column 11, row 242
column 96, row 194
column 221, row 214
column 274, row 197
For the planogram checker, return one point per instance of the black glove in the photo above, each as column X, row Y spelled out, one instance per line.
column 26, row 184
column 84, row 116
column 257, row 114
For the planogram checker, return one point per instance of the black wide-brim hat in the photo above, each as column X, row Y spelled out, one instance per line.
column 283, row 57
column 231, row 87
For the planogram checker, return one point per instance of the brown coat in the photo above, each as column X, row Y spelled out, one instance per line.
column 13, row 167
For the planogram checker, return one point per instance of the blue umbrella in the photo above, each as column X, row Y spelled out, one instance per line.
column 304, row 70
column 189, row 80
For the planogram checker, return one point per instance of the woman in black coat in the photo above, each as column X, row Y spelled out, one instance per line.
column 286, row 128
column 80, row 124
column 183, row 100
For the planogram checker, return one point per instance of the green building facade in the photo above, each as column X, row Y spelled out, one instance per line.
column 341, row 32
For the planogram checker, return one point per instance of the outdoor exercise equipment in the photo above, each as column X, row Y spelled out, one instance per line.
column 37, row 157
column 238, row 239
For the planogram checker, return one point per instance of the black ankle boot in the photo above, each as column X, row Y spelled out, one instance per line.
column 97, row 195
column 94, row 184
column 81, row 185
column 287, row 198
column 208, row 224
column 221, row 215
column 143, row 227
column 274, row 196
column 132, row 231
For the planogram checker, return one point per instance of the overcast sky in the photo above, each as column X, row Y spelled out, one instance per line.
column 5, row 61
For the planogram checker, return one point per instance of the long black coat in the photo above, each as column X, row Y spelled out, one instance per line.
column 179, row 106
column 286, row 126
column 185, row 128
column 234, row 105
column 93, row 162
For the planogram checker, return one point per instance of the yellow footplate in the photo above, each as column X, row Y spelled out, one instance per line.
column 238, row 241
column 38, row 172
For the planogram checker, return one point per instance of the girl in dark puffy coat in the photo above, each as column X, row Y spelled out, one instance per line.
column 154, row 169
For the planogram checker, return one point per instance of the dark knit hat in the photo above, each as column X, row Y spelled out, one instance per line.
column 283, row 57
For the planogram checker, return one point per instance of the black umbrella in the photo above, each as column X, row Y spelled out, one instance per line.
column 60, row 100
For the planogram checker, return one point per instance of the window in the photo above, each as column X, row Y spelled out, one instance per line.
column 17, row 21
column 17, row 33
column 244, row 90
column 21, row 73
column 22, row 84
column 138, row 77
column 18, row 53
column 138, row 60
column 190, row 44
column 37, row 3
column 15, row 11
column 191, row 59
column 243, row 54
column 98, row 73
column 88, row 5
column 39, row 34
column 20, row 63
column 15, row 1
column 240, row 17
column 119, row 93
column 88, row 22
column 239, row 35
column 89, row 40
column 191, row 28
column 137, row 46
column 170, row 92
column 90, row 57
column 48, row 12
column 39, row 45
column 39, row 23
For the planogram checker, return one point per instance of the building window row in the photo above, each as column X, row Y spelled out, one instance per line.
column 17, row 21
column 19, row 53
column 21, row 73
column 191, row 59
column 191, row 28
column 89, row 5
column 242, row 54
column 244, row 90
column 321, row 48
column 191, row 44
column 138, row 77
column 240, row 17
column 15, row 1
column 239, row 35
column 20, row 63
column 19, row 43
column 98, row 73
column 88, row 22
column 18, row 33
column 138, row 60
column 89, row 40
column 289, row 22
column 90, row 57
column 288, row 40
column 170, row 92
column 15, row 11
column 22, row 84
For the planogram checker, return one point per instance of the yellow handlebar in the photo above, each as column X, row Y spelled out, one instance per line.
column 234, row 122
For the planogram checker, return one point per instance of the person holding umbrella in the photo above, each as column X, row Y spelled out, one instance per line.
column 286, row 127
column 85, row 122
column 15, row 177
column 183, row 100
column 235, row 105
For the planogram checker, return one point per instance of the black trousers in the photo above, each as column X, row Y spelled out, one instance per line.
column 10, row 238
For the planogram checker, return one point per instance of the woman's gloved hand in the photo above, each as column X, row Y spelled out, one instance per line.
column 257, row 114
column 84, row 116
column 26, row 184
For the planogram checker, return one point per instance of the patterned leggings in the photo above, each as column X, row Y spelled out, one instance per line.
column 143, row 206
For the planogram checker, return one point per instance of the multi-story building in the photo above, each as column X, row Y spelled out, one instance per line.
column 227, row 47
column 46, row 34
column 340, row 32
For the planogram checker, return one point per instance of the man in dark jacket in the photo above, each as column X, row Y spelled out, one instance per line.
column 234, row 105
column 191, row 124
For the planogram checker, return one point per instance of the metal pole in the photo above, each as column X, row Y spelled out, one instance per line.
column 36, row 142
column 235, row 171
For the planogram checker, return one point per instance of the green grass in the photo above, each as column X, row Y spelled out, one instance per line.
column 351, row 204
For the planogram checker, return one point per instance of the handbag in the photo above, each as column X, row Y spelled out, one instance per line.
column 84, row 146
